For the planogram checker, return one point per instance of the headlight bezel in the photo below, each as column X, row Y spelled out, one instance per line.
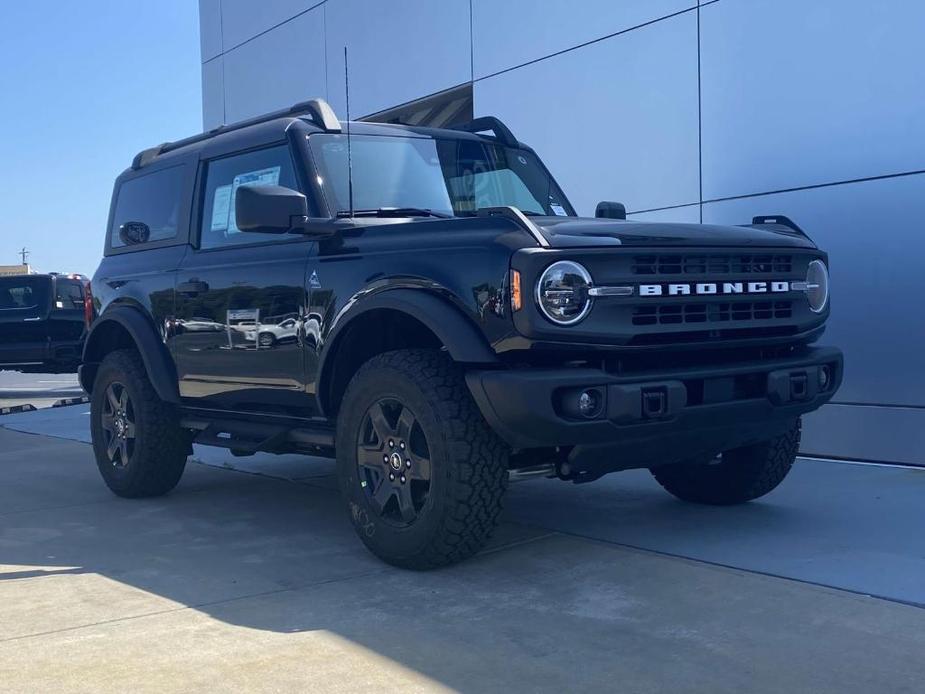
column 575, row 268
column 813, row 283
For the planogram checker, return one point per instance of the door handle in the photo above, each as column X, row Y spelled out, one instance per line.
column 193, row 287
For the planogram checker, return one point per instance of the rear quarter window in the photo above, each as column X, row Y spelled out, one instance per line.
column 154, row 199
column 23, row 296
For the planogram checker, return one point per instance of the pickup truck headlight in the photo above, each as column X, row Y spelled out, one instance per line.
column 562, row 292
column 817, row 286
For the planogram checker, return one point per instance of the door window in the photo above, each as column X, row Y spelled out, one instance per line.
column 271, row 166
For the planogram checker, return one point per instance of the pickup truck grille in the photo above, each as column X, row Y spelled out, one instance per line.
column 712, row 312
column 683, row 264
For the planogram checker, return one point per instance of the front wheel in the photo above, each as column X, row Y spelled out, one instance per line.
column 422, row 473
column 736, row 476
column 140, row 447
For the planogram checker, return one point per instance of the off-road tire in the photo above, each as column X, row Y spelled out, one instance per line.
column 739, row 475
column 468, row 461
column 161, row 446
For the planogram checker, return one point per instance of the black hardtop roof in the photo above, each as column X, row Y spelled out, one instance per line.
column 316, row 115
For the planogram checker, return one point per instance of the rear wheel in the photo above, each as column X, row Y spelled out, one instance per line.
column 139, row 445
column 422, row 473
column 735, row 476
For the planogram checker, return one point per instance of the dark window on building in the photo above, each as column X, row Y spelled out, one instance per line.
column 269, row 167
column 154, row 200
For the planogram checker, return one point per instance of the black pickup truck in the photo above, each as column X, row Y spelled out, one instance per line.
column 426, row 306
column 43, row 322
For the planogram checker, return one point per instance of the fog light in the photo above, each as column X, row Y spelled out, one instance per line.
column 825, row 377
column 589, row 403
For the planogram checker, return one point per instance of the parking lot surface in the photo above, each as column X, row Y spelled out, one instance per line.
column 252, row 579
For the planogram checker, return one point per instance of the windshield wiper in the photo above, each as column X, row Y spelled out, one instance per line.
column 396, row 212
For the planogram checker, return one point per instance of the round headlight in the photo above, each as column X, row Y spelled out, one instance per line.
column 817, row 286
column 562, row 292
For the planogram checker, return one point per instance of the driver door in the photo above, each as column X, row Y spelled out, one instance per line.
column 240, row 298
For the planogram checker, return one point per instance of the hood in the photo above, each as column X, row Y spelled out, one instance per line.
column 569, row 232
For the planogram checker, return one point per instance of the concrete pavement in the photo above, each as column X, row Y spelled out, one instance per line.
column 244, row 582
column 40, row 390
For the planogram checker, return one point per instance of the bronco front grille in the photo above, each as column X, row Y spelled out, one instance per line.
column 712, row 312
column 709, row 264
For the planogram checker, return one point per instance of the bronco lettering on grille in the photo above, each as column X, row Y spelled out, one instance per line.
column 714, row 288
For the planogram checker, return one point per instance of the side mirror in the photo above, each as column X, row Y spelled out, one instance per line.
column 610, row 210
column 132, row 233
column 269, row 209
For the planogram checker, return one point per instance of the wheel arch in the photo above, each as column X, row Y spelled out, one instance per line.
column 128, row 327
column 394, row 319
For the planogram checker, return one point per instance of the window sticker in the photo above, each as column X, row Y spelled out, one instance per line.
column 558, row 209
column 221, row 207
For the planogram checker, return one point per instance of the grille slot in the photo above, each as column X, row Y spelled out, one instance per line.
column 702, row 264
column 711, row 312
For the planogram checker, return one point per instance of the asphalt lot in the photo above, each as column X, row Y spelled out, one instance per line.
column 251, row 579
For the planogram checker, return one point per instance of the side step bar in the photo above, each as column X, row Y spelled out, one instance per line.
column 248, row 437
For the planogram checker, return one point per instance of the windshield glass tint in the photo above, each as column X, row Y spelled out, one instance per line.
column 26, row 296
column 447, row 176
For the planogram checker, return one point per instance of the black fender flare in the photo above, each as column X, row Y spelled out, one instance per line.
column 457, row 332
column 154, row 354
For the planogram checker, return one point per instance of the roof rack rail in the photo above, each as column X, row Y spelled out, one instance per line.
column 501, row 132
column 318, row 110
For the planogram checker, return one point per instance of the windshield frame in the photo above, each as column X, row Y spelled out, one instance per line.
column 326, row 198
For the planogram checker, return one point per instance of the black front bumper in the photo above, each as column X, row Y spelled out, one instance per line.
column 655, row 417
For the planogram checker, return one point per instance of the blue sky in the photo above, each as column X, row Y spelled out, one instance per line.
column 84, row 85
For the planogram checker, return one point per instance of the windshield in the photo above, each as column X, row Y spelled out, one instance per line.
column 446, row 176
column 23, row 296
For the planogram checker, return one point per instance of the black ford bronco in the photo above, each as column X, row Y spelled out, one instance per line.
column 426, row 306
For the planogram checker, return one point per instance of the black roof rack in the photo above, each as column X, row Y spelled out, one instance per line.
column 318, row 109
column 501, row 132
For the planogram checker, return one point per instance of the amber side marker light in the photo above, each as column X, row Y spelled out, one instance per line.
column 516, row 296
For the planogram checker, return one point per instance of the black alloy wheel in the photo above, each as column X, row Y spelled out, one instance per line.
column 118, row 423
column 393, row 461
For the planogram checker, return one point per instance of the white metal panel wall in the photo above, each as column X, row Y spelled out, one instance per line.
column 614, row 120
column 244, row 19
column 398, row 51
column 874, row 234
column 213, row 94
column 276, row 69
column 210, row 28
column 508, row 33
column 799, row 93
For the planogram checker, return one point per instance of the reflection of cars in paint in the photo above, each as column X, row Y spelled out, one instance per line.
column 200, row 325
column 463, row 327
column 268, row 335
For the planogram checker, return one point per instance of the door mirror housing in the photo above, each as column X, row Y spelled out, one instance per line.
column 278, row 210
column 610, row 210
column 268, row 209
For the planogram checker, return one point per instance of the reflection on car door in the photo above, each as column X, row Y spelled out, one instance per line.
column 234, row 292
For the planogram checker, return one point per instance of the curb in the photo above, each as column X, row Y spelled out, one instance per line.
column 14, row 409
column 66, row 402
